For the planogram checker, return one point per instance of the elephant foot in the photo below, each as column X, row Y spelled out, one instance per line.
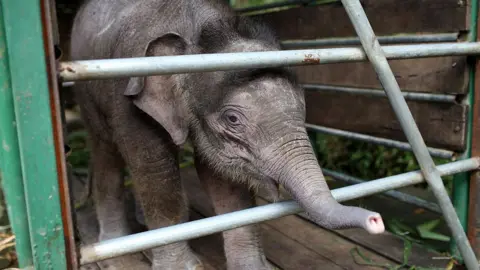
column 192, row 264
column 135, row 261
column 176, row 256
column 257, row 264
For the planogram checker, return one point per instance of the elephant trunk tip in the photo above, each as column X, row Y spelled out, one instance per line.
column 335, row 216
column 374, row 224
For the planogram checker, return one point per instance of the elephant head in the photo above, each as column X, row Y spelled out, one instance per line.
column 247, row 125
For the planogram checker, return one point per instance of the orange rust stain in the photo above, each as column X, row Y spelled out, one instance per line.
column 70, row 69
column 310, row 59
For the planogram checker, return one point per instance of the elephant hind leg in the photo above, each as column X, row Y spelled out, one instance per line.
column 108, row 190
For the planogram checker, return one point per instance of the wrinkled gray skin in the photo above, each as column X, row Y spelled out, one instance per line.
column 247, row 127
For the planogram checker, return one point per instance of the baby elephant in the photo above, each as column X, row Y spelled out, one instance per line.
column 247, row 126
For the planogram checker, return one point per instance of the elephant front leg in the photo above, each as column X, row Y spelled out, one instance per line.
column 151, row 158
column 243, row 246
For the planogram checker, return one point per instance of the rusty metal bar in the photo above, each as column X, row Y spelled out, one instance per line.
column 50, row 37
column 162, row 65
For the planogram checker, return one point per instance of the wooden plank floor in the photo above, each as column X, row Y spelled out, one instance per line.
column 290, row 242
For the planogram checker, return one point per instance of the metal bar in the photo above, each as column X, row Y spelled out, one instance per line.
column 376, row 140
column 55, row 109
column 194, row 229
column 54, row 22
column 474, row 102
column 414, row 96
column 68, row 84
column 465, row 193
column 424, row 38
column 11, row 171
column 391, row 193
column 273, row 5
column 161, row 65
column 379, row 62
column 30, row 84
column 440, row 98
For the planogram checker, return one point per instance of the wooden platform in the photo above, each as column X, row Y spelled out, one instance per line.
column 290, row 242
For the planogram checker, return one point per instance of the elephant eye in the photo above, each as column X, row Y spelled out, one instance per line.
column 232, row 118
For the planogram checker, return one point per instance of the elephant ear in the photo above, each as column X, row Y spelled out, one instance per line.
column 160, row 96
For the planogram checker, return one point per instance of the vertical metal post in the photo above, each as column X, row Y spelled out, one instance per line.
column 379, row 62
column 461, row 186
column 38, row 138
column 11, row 171
column 50, row 39
column 473, row 142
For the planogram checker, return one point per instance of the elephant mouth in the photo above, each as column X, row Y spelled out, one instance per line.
column 271, row 188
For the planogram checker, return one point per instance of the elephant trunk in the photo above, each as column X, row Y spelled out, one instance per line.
column 300, row 173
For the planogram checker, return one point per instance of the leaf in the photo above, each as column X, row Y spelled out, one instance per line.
column 434, row 236
column 429, row 225
column 450, row 264
column 400, row 228
column 425, row 231
column 407, row 250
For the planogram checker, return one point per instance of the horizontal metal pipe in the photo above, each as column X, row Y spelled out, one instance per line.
column 425, row 38
column 441, row 153
column 161, row 65
column 273, row 5
column 68, row 84
column 440, row 98
column 198, row 228
column 391, row 193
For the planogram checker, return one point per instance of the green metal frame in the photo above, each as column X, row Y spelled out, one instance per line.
column 461, row 186
column 11, row 167
column 25, row 89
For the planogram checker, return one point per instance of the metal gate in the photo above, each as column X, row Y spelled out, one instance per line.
column 33, row 167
